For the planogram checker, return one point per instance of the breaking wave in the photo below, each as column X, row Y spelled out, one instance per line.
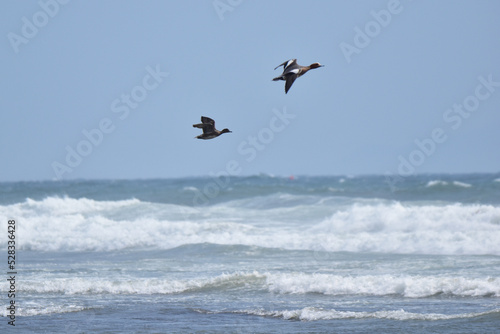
column 285, row 221
column 315, row 314
column 282, row 283
column 438, row 183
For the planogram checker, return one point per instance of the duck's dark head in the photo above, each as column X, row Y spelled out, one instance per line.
column 315, row 65
column 225, row 131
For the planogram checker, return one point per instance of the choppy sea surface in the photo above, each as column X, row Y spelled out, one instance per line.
column 256, row 254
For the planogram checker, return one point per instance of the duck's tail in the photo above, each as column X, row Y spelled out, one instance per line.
column 279, row 78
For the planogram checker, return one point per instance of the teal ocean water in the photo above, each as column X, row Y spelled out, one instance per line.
column 257, row 254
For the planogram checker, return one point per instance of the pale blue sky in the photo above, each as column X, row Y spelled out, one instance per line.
column 68, row 68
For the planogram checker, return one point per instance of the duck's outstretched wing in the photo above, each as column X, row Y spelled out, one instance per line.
column 207, row 124
column 207, row 120
column 290, row 78
column 287, row 64
column 289, row 81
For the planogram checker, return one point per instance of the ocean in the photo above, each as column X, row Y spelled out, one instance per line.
column 254, row 254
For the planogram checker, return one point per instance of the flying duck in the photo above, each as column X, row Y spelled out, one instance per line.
column 209, row 130
column 292, row 70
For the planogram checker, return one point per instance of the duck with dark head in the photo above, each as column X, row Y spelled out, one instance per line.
column 209, row 130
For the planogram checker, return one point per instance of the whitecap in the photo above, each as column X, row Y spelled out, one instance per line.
column 276, row 221
column 189, row 188
column 28, row 309
column 315, row 314
column 381, row 285
column 134, row 286
column 440, row 183
column 435, row 183
column 462, row 184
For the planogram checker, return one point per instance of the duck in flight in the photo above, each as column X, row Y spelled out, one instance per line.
column 209, row 130
column 292, row 70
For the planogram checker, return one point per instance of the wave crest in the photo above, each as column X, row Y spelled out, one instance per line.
column 281, row 283
column 380, row 285
column 315, row 314
column 440, row 183
column 66, row 224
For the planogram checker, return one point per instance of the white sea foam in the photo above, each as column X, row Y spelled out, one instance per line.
column 380, row 285
column 461, row 184
column 27, row 309
column 148, row 286
column 397, row 228
column 314, row 314
column 436, row 183
column 61, row 206
column 190, row 189
column 280, row 283
column 301, row 222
